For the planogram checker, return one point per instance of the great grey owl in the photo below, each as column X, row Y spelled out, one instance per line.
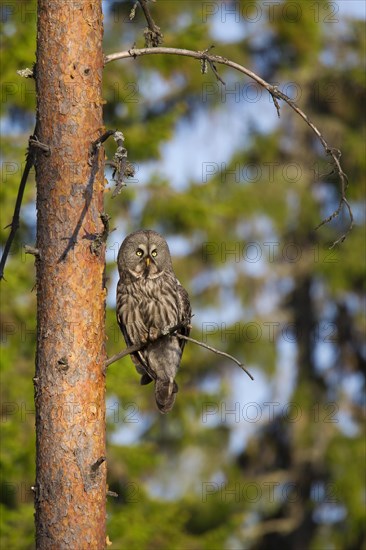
column 149, row 299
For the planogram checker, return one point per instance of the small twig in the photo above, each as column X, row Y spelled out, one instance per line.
column 275, row 94
column 26, row 73
column 223, row 353
column 123, row 169
column 98, row 142
column 95, row 145
column 133, row 11
column 111, row 163
column 31, row 250
column 33, row 142
column 101, row 238
column 14, row 225
column 153, row 35
column 215, row 72
column 205, row 59
column 112, row 494
column 128, row 351
column 276, row 104
column 336, row 155
column 98, row 463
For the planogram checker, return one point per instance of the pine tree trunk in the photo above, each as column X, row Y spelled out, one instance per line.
column 69, row 383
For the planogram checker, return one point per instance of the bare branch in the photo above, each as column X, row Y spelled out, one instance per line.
column 218, row 352
column 26, row 73
column 173, row 330
column 14, row 225
column 31, row 250
column 33, row 142
column 336, row 154
column 133, row 11
column 122, row 168
column 101, row 238
column 141, row 345
column 101, row 139
column 276, row 94
column 153, row 35
column 124, row 353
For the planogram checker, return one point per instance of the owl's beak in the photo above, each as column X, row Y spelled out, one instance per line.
column 147, row 262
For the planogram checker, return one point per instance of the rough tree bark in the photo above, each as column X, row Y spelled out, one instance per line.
column 70, row 486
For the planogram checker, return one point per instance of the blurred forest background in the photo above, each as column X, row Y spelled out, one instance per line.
column 274, row 463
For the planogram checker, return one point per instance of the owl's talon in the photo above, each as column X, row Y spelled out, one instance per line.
column 144, row 338
column 154, row 334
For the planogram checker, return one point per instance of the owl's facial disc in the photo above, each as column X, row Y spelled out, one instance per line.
column 146, row 266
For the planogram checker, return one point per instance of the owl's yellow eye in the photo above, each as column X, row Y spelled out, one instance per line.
column 154, row 253
column 139, row 252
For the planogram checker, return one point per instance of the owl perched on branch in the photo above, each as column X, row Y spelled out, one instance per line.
column 150, row 299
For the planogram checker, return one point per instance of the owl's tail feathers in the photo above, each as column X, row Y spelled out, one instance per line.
column 165, row 391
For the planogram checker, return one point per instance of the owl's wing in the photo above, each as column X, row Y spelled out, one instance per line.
column 123, row 330
column 184, row 311
column 137, row 357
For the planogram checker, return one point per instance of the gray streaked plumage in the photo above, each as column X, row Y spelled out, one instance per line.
column 149, row 299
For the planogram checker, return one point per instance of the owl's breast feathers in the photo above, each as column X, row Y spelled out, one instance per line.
column 145, row 303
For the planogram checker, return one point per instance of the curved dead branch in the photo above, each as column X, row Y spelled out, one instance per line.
column 276, row 95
